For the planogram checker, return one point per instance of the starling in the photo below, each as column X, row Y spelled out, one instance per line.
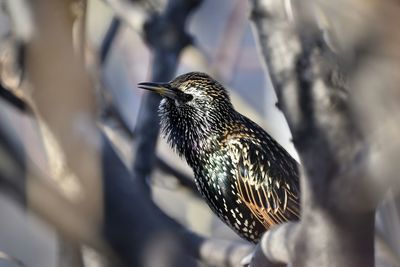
column 246, row 177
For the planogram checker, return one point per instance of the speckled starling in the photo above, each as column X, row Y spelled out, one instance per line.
column 246, row 177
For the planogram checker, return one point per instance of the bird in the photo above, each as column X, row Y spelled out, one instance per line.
column 248, row 180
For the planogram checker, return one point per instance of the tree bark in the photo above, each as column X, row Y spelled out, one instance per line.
column 337, row 220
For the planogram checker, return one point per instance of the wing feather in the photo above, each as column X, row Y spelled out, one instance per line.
column 267, row 184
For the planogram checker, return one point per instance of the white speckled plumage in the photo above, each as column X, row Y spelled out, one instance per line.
column 246, row 177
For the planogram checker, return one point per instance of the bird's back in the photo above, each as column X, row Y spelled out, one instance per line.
column 249, row 180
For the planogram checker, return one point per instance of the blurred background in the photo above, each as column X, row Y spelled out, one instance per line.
column 84, row 60
column 224, row 47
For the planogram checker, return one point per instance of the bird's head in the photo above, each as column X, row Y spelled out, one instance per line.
column 194, row 107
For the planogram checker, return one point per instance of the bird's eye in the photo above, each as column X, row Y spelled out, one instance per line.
column 187, row 97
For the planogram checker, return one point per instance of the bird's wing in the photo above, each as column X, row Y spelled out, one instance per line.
column 267, row 182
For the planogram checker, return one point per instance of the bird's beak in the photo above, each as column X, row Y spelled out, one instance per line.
column 164, row 89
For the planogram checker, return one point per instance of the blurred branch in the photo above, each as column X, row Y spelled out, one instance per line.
column 12, row 53
column 337, row 200
column 137, row 14
column 5, row 257
column 121, row 224
column 275, row 247
column 166, row 35
column 15, row 100
column 372, row 56
column 137, row 230
column 126, row 202
column 121, row 137
column 79, row 12
column 64, row 96
column 279, row 236
column 70, row 253
column 185, row 181
column 21, row 17
column 215, row 252
column 12, row 165
column 385, row 253
column 230, row 42
column 337, row 203
column 121, row 215
column 109, row 38
column 29, row 186
column 133, row 13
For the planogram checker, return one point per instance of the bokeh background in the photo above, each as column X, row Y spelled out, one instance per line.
column 119, row 58
column 225, row 47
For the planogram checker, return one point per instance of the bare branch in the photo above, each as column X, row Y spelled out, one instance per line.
column 156, row 237
column 121, row 215
column 183, row 179
column 64, row 97
column 275, row 248
column 166, row 35
column 28, row 185
column 223, row 253
column 215, row 252
column 70, row 253
column 284, row 236
column 134, row 14
column 5, row 257
column 336, row 227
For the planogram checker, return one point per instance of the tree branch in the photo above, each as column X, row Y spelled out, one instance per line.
column 131, row 12
column 166, row 35
column 184, row 180
column 65, row 98
column 137, row 230
column 336, row 228
column 122, row 227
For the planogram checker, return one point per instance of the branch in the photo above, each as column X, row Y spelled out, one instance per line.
column 108, row 39
column 166, row 35
column 370, row 51
column 64, row 96
column 5, row 257
column 14, row 19
column 337, row 201
column 31, row 187
column 283, row 235
column 133, row 13
column 121, row 192
column 222, row 253
column 14, row 100
column 184, row 180
column 133, row 225
column 275, row 247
